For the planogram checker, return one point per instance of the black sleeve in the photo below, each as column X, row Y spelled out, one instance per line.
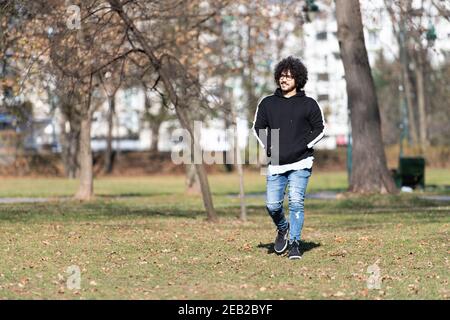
column 260, row 124
column 317, row 122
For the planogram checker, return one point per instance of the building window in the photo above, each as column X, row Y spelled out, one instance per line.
column 323, row 77
column 373, row 38
column 322, row 97
column 321, row 35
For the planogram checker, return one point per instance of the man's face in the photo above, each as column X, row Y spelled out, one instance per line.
column 287, row 81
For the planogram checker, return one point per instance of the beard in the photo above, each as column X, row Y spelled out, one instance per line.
column 287, row 87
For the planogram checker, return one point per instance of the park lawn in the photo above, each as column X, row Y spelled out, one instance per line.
column 147, row 240
column 221, row 184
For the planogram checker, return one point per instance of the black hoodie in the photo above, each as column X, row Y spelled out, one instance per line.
column 300, row 122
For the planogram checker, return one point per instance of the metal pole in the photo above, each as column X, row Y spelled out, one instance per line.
column 404, row 103
column 402, row 120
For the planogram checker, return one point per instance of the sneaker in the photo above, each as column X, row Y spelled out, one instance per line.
column 294, row 251
column 281, row 241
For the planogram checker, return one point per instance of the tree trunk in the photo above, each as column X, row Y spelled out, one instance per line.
column 369, row 170
column 70, row 145
column 86, row 187
column 199, row 167
column 192, row 183
column 72, row 153
column 192, row 179
column 206, row 192
column 154, row 120
column 154, row 127
column 108, row 152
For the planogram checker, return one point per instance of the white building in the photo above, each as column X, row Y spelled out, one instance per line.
column 319, row 49
column 316, row 44
column 135, row 134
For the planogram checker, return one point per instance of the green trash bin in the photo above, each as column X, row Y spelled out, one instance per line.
column 410, row 173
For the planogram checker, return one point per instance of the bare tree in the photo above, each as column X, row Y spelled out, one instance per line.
column 167, row 65
column 407, row 77
column 415, row 42
column 77, row 59
column 111, row 82
column 155, row 114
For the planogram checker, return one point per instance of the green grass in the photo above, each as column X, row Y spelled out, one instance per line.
column 143, row 238
column 221, row 184
column 153, row 185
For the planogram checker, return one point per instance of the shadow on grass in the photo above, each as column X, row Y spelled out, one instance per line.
column 134, row 195
column 305, row 246
column 101, row 210
column 262, row 194
column 376, row 203
column 75, row 211
column 399, row 208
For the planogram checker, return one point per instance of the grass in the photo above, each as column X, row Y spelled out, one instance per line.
column 143, row 238
column 221, row 184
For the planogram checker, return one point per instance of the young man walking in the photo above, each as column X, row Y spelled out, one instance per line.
column 288, row 124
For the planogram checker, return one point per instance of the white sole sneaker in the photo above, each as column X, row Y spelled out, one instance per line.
column 286, row 238
column 282, row 250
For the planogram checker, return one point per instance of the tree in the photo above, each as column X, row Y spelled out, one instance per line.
column 369, row 169
column 155, row 114
column 76, row 58
column 166, row 66
column 111, row 82
column 387, row 82
column 108, row 33
column 415, row 40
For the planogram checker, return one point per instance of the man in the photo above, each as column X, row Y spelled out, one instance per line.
column 296, row 123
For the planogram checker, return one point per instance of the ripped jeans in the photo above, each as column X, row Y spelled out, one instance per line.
column 276, row 187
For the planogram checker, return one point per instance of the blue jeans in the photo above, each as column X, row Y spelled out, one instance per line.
column 276, row 187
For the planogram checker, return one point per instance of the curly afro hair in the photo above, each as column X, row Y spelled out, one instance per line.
column 297, row 69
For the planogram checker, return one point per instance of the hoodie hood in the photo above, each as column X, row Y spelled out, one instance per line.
column 279, row 93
